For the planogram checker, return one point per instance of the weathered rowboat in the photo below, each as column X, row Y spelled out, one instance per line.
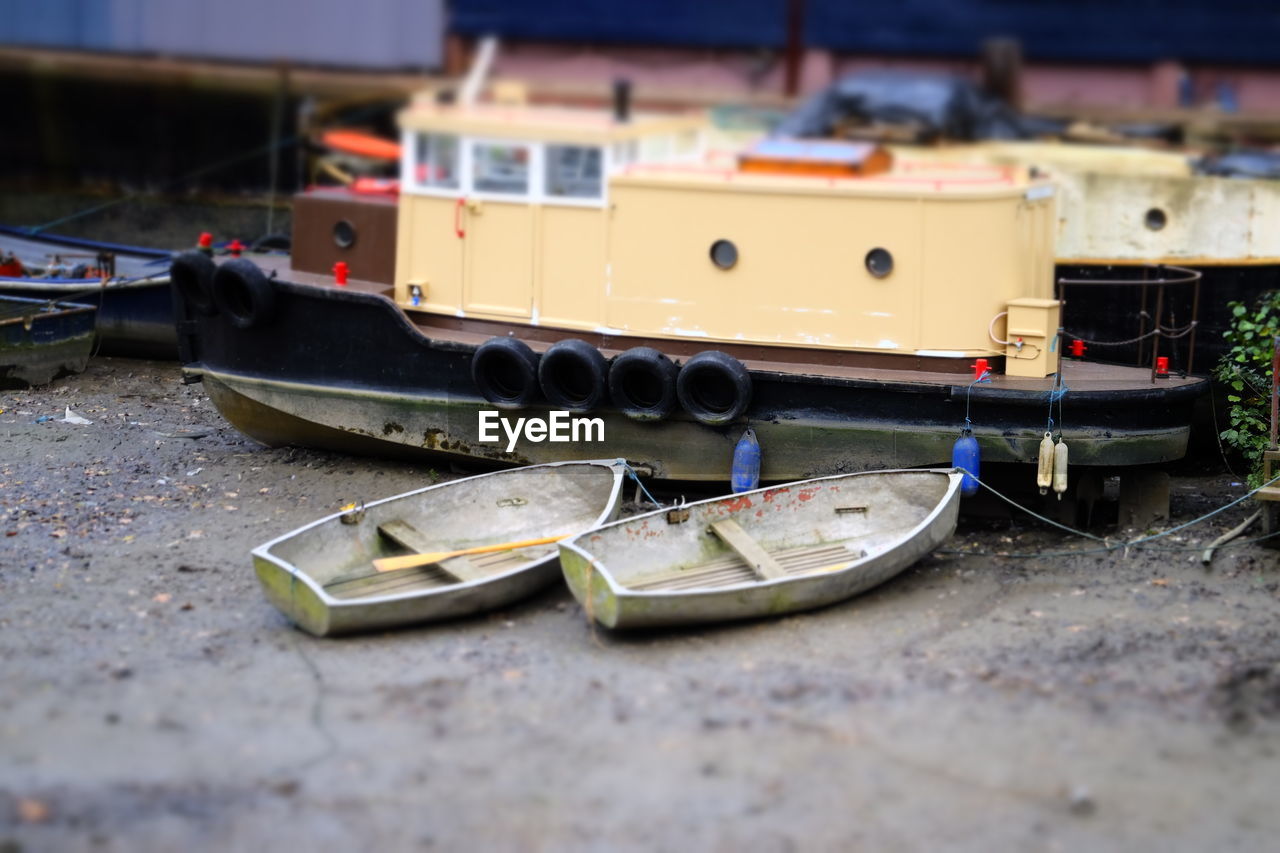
column 135, row 308
column 42, row 340
column 322, row 576
column 761, row 553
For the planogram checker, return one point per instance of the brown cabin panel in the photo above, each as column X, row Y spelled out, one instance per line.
column 338, row 225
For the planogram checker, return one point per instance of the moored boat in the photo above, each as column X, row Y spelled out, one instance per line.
column 761, row 553
column 1130, row 203
column 128, row 284
column 41, row 340
column 323, row 578
column 571, row 261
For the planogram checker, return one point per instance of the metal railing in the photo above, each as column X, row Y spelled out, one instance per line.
column 1166, row 276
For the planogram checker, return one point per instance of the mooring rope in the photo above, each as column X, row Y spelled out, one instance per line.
column 1108, row 545
column 631, row 472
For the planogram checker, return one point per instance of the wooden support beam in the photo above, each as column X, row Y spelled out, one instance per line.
column 748, row 549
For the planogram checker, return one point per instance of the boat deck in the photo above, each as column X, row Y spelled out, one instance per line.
column 1077, row 375
column 35, row 251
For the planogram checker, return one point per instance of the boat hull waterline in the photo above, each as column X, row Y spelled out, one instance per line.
column 347, row 371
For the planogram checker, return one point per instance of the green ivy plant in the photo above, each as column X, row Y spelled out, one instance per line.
column 1246, row 371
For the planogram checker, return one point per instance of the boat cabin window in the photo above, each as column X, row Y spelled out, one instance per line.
column 687, row 143
column 574, row 171
column 500, row 167
column 625, row 153
column 437, row 161
column 656, row 149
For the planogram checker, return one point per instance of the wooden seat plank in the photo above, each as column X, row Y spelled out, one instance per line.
column 747, row 548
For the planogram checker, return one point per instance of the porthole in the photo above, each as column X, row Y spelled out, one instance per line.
column 344, row 234
column 879, row 262
column 724, row 254
column 1155, row 219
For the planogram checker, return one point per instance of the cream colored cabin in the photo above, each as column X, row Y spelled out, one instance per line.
column 571, row 220
column 1120, row 205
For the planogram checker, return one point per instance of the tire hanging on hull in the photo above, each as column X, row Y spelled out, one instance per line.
column 505, row 371
column 573, row 375
column 714, row 388
column 642, row 384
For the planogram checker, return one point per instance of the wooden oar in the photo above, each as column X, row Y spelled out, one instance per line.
column 408, row 561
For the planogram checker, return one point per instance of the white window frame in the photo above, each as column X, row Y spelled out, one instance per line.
column 409, row 166
column 536, row 194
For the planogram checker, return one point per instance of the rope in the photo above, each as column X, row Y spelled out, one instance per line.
column 1107, row 546
column 631, row 472
column 991, row 329
column 1162, row 331
column 985, row 376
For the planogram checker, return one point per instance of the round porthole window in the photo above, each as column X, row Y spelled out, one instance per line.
column 344, row 234
column 1155, row 219
column 879, row 262
column 724, row 254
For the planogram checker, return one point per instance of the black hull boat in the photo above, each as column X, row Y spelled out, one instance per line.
column 135, row 311
column 344, row 368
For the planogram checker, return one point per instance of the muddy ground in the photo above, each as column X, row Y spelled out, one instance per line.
column 150, row 698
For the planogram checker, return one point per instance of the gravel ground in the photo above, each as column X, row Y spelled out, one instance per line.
column 152, row 700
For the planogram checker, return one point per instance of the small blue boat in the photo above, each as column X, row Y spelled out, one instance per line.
column 128, row 284
column 41, row 340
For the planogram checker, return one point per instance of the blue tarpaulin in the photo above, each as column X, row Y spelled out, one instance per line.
column 1225, row 31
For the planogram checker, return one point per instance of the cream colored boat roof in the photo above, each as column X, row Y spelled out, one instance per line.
column 551, row 124
column 905, row 180
column 1054, row 156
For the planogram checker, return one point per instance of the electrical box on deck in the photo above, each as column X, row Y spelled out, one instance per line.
column 1031, row 332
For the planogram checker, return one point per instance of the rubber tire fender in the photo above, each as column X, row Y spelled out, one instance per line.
column 191, row 275
column 574, row 375
column 714, row 388
column 244, row 294
column 648, row 366
column 505, row 371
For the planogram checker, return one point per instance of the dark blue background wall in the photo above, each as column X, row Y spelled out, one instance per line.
column 1221, row 31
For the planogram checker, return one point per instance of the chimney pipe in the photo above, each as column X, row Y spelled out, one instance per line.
column 622, row 100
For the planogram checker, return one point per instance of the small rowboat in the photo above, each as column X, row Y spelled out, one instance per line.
column 761, row 553
column 322, row 576
column 128, row 284
column 41, row 340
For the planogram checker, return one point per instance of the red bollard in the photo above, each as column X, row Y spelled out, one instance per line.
column 235, row 247
column 1162, row 366
column 340, row 273
column 980, row 367
column 1078, row 348
column 205, row 243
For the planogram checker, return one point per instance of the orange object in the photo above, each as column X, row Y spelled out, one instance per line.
column 361, row 144
column 823, row 158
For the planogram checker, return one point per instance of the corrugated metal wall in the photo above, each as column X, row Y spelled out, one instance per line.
column 1222, row 31
column 377, row 34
